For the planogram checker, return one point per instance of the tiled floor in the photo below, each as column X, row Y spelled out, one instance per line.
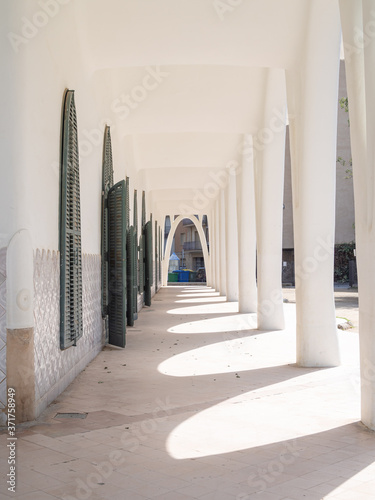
column 200, row 407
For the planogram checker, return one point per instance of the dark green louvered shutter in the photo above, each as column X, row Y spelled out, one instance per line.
column 127, row 207
column 135, row 274
column 107, row 183
column 148, row 262
column 141, row 282
column 71, row 327
column 117, row 264
column 142, row 264
column 156, row 256
column 143, row 209
column 160, row 253
column 135, row 263
column 135, row 214
column 131, row 256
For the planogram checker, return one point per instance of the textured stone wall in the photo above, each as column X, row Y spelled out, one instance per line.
column 56, row 369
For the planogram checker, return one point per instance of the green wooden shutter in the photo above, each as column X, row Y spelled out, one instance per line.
column 135, row 214
column 71, row 325
column 135, row 274
column 107, row 177
column 117, row 264
column 107, row 183
column 143, row 209
column 136, row 256
column 152, row 256
column 156, row 256
column 127, row 207
column 131, row 256
column 141, row 282
column 148, row 262
column 142, row 264
column 160, row 253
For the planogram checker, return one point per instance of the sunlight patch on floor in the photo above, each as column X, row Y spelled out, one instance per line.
column 217, row 325
column 233, row 352
column 276, row 400
column 202, row 299
column 220, row 308
column 209, row 294
column 250, row 420
column 200, row 289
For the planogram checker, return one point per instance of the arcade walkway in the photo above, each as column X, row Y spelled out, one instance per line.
column 199, row 406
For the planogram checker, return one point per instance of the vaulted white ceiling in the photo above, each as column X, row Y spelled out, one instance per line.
column 186, row 79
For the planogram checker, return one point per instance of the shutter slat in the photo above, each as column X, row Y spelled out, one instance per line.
column 117, row 264
column 131, row 276
column 148, row 261
column 156, row 255
column 71, row 324
column 107, row 184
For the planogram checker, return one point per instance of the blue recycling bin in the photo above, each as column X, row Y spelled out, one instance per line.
column 184, row 276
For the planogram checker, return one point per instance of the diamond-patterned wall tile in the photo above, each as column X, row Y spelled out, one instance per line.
column 3, row 261
column 3, row 328
column 3, row 392
column 52, row 364
column 3, row 295
column 3, row 418
column 3, row 363
column 3, row 331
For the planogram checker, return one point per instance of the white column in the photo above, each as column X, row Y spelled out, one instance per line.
column 360, row 77
column 312, row 105
column 269, row 187
column 247, row 288
column 167, row 254
column 211, row 234
column 231, row 239
column 216, row 243
column 223, row 262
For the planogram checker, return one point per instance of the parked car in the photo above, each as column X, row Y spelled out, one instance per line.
column 201, row 274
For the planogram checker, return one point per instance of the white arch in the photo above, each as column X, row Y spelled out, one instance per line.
column 198, row 224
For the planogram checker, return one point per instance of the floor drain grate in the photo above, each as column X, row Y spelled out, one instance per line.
column 71, row 415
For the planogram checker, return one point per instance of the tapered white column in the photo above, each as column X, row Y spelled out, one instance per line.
column 247, row 289
column 269, row 186
column 231, row 239
column 223, row 262
column 216, row 242
column 312, row 105
column 356, row 18
column 211, row 256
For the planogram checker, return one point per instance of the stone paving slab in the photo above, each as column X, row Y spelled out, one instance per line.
column 200, row 405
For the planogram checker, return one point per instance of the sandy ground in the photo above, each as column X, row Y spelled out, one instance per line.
column 346, row 300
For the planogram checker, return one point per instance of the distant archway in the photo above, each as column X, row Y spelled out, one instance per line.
column 198, row 224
